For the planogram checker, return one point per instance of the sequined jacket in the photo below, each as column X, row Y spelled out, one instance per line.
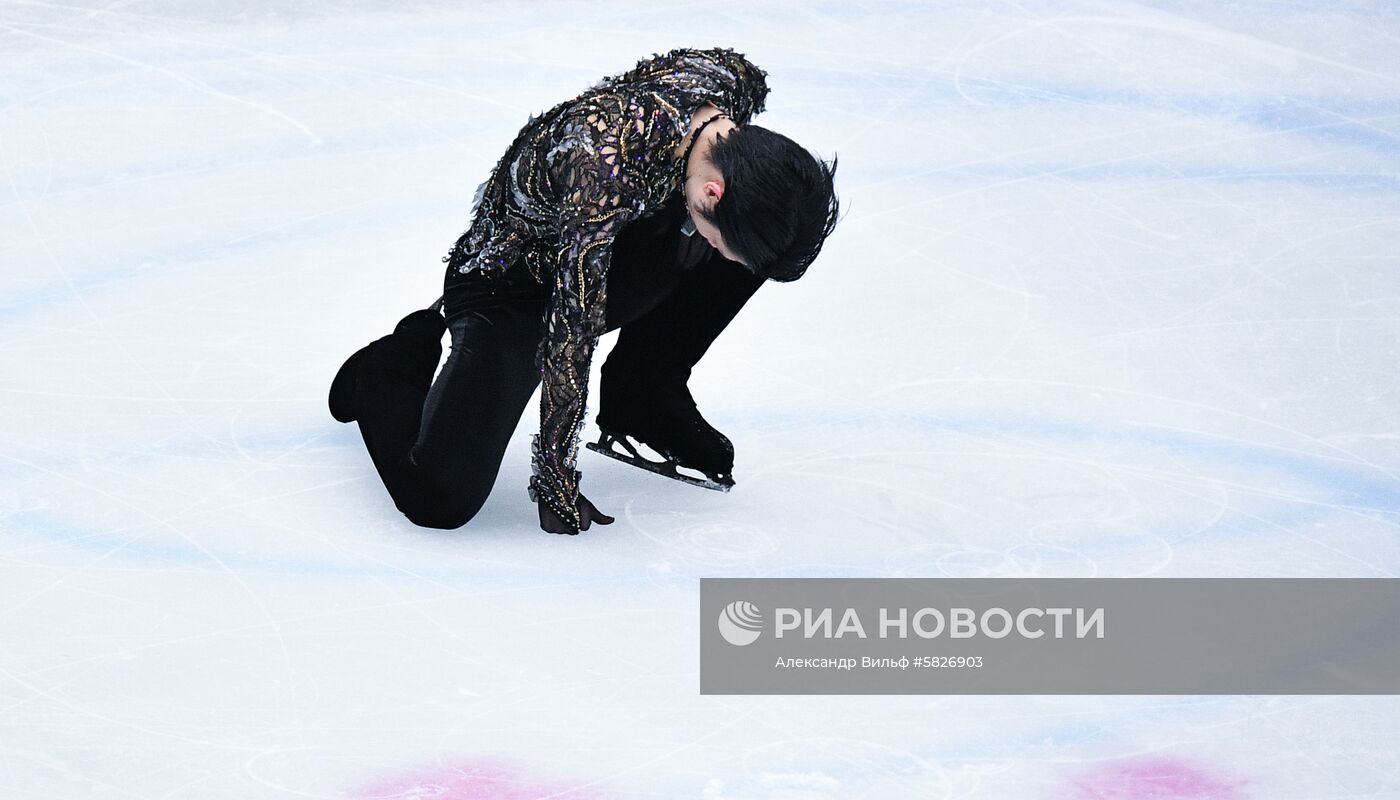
column 573, row 177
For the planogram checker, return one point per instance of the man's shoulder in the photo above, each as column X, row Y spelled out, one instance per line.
column 717, row 62
column 718, row 75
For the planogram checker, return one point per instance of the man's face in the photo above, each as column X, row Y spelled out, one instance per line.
column 711, row 234
column 704, row 194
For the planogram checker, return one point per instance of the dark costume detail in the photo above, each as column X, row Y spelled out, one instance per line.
column 543, row 224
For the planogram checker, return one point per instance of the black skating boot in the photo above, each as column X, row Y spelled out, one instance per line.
column 415, row 342
column 643, row 394
column 665, row 419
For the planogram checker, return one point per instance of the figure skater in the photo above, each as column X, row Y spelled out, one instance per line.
column 647, row 203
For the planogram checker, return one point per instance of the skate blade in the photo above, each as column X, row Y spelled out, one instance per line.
column 608, row 443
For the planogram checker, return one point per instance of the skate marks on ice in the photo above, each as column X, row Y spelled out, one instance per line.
column 950, row 495
column 1008, row 495
column 470, row 780
column 713, row 544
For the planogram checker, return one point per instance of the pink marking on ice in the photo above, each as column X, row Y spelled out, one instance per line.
column 478, row 781
column 1153, row 779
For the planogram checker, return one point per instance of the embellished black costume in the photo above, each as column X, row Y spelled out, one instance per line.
column 544, row 222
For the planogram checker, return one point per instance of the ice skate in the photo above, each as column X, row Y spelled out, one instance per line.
column 667, row 422
column 625, row 449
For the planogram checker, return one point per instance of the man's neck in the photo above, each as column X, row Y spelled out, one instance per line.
column 707, row 136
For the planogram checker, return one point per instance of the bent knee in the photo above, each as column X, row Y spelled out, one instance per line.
column 437, row 519
column 445, row 510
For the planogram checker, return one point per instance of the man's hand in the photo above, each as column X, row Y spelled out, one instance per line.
column 587, row 512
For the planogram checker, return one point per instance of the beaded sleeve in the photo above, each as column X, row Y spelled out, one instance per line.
column 601, row 197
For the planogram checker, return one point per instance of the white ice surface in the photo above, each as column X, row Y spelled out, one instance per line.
column 1117, row 294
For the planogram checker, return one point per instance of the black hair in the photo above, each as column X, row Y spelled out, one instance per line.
column 778, row 205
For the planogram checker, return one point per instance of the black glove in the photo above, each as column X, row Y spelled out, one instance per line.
column 587, row 514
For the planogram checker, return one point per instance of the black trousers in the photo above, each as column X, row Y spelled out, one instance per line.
column 438, row 444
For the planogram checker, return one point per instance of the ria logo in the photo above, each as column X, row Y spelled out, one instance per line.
column 740, row 622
